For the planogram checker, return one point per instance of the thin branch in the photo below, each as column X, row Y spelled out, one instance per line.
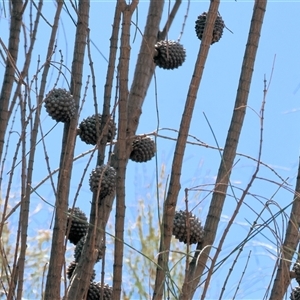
column 174, row 187
column 197, row 265
column 123, row 70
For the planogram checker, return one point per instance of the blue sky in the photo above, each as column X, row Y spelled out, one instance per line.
column 279, row 42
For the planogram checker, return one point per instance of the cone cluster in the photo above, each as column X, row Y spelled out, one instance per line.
column 71, row 269
column 143, row 149
column 95, row 291
column 79, row 225
column 295, row 294
column 296, row 269
column 60, row 105
column 79, row 248
column 103, row 177
column 169, row 54
column 180, row 231
column 90, row 129
column 77, row 236
column 217, row 31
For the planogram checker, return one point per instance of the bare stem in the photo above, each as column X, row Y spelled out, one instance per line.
column 198, row 263
column 174, row 187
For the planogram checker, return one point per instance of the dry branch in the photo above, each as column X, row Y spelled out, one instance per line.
column 198, row 263
column 123, row 145
column 66, row 161
column 174, row 187
column 283, row 278
column 11, row 60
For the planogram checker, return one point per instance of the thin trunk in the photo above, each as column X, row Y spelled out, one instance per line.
column 66, row 161
column 144, row 67
column 282, row 279
column 109, row 80
column 174, row 187
column 123, row 71
column 11, row 60
column 25, row 203
column 197, row 265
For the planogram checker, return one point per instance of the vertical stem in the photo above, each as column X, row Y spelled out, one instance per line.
column 9, row 75
column 109, row 80
column 198, row 263
column 144, row 67
column 25, row 203
column 121, row 154
column 66, row 160
column 282, row 279
column 174, row 187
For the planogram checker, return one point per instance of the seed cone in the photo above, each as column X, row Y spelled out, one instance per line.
column 79, row 248
column 95, row 289
column 79, row 225
column 169, row 54
column 296, row 269
column 71, row 269
column 180, row 229
column 88, row 129
column 217, row 31
column 60, row 105
column 143, row 149
column 105, row 176
column 295, row 294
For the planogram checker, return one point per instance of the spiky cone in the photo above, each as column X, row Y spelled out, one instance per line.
column 296, row 269
column 79, row 248
column 295, row 294
column 60, row 105
column 71, row 268
column 217, row 31
column 79, row 225
column 181, row 219
column 88, row 132
column 169, row 54
column 95, row 291
column 143, row 149
column 105, row 177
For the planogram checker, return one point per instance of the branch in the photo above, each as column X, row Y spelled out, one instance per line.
column 282, row 279
column 123, row 145
column 174, row 187
column 11, row 60
column 144, row 67
column 66, row 159
column 162, row 35
column 198, row 263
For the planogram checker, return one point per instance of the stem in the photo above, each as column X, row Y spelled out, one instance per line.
column 66, row 161
column 174, row 187
column 198, row 263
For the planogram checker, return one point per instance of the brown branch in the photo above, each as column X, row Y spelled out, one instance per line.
column 144, row 67
column 235, row 213
column 282, row 279
column 66, row 161
column 197, row 265
column 171, row 17
column 174, row 187
column 109, row 81
column 23, row 74
column 27, row 173
column 9, row 75
column 123, row 145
